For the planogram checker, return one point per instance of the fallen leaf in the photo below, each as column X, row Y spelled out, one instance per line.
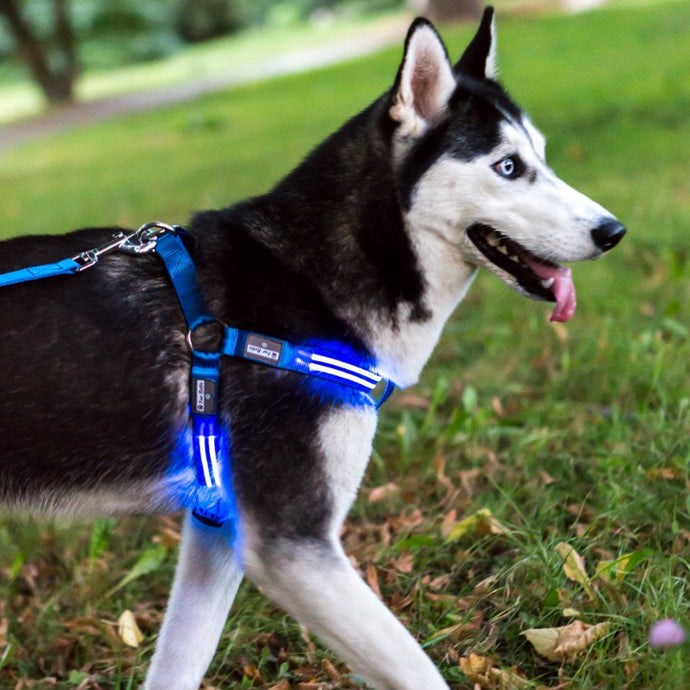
column 282, row 685
column 440, row 464
column 497, row 407
column 128, row 630
column 373, row 579
column 544, row 641
column 571, row 613
column 566, row 642
column 475, row 666
column 480, row 671
column 252, row 672
column 668, row 473
column 509, row 679
column 404, row 563
column 619, row 567
column 380, row 493
column 481, row 523
column 331, row 671
column 546, row 477
column 448, row 523
column 466, row 478
column 574, row 567
column 84, row 625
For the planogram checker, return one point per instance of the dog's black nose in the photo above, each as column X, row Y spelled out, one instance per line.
column 608, row 234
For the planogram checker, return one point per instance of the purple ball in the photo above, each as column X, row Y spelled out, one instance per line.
column 666, row 633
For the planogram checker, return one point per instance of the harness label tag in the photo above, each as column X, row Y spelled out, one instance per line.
column 204, row 396
column 263, row 349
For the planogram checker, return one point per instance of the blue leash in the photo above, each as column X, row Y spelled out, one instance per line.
column 214, row 503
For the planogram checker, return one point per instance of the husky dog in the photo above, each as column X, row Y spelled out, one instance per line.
column 368, row 246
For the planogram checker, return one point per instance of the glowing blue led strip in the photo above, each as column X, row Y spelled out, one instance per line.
column 363, row 377
column 319, row 368
column 208, row 454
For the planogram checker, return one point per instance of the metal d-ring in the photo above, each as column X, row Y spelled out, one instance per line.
column 145, row 238
column 211, row 350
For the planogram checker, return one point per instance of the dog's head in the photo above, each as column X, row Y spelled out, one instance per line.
column 472, row 173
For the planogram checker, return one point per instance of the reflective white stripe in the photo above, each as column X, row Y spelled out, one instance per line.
column 214, row 459
column 346, row 365
column 204, row 460
column 369, row 385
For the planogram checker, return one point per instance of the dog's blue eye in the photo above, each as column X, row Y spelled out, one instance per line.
column 510, row 167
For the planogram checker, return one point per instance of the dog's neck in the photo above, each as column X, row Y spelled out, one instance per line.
column 336, row 219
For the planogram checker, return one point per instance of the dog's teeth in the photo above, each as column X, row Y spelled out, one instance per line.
column 547, row 283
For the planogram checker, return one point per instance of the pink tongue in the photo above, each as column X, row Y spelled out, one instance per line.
column 563, row 288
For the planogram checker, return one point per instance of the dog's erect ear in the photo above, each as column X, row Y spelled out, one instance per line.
column 479, row 59
column 425, row 80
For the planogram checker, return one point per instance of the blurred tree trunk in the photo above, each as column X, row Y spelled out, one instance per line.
column 446, row 10
column 53, row 63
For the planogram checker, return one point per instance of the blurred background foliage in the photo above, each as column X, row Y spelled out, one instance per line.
column 113, row 34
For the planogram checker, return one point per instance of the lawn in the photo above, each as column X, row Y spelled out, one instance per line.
column 522, row 436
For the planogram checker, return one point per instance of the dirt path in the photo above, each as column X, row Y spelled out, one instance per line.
column 368, row 41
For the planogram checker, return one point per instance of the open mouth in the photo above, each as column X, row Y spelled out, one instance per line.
column 538, row 277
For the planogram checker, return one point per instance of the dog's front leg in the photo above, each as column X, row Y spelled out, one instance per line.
column 206, row 581
column 315, row 583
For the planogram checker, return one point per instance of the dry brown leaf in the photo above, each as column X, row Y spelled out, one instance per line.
column 282, row 685
column 546, row 477
column 566, row 642
column 252, row 673
column 574, row 567
column 128, row 630
column 475, row 666
column 379, row 493
column 331, row 671
column 440, row 464
column 448, row 523
column 466, row 478
column 373, row 579
column 481, row 672
column 668, row 473
column 508, row 679
column 84, row 625
column 398, row 602
column 497, row 407
column 578, row 636
column 4, row 624
column 440, row 582
column 404, row 563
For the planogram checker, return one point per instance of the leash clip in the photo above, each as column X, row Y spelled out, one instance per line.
column 139, row 242
column 91, row 257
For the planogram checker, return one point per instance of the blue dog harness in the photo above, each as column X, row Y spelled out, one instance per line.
column 214, row 501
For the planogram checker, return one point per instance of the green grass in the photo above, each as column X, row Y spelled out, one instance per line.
column 574, row 434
